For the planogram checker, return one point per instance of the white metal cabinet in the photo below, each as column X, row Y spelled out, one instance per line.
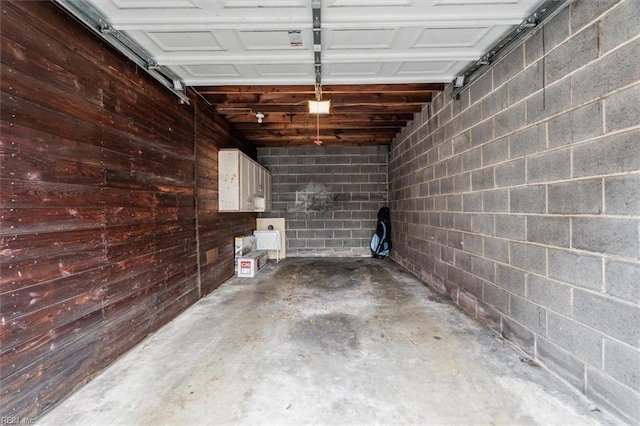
column 243, row 184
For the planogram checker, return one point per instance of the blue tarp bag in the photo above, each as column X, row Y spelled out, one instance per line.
column 381, row 240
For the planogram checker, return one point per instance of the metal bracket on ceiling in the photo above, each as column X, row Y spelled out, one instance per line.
column 91, row 18
column 316, row 6
column 543, row 13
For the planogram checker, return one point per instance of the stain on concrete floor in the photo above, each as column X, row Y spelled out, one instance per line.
column 324, row 341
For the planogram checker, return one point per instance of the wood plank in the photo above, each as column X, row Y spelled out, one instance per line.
column 98, row 185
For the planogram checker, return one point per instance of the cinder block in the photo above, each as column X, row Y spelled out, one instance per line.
column 622, row 280
column 622, row 362
column 467, row 302
column 463, row 260
column 482, row 179
column 333, row 243
column 495, row 102
column 488, row 315
column 278, row 152
column 511, row 173
column 511, row 279
column 462, row 182
column 454, row 165
column 534, row 47
column 454, row 203
column 528, row 257
column 495, row 152
column 354, row 243
column 509, row 66
column 575, row 126
column 584, row 12
column 612, row 396
column 470, row 117
column 613, row 154
column 472, row 202
column 620, row 25
column 496, row 249
column 482, row 132
column 453, row 237
column 554, row 98
column 607, row 74
column 440, row 170
column 324, row 233
column 528, row 141
column 556, row 30
column 496, row 297
column 267, row 161
column 532, row 316
column 482, row 224
column 623, row 109
column 469, row 283
column 472, row 243
column 607, row 315
column 528, row 199
column 447, row 255
column 549, row 166
column 578, row 197
column 561, row 363
column 472, row 160
column 445, row 150
column 495, row 201
column 521, row 336
column 481, row 87
column 526, row 83
column 511, row 227
column 553, row 231
column 462, row 142
column 295, row 243
column 581, row 49
column 305, row 233
column 483, row 268
column 607, row 235
column 510, row 120
column 550, row 294
column 462, row 222
column 576, row 268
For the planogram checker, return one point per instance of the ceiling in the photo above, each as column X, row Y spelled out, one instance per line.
column 381, row 60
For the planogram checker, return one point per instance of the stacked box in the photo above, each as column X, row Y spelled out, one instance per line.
column 243, row 245
column 251, row 263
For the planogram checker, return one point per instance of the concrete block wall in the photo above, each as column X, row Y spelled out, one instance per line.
column 520, row 199
column 329, row 196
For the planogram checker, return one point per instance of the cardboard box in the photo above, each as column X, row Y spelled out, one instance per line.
column 251, row 263
column 243, row 245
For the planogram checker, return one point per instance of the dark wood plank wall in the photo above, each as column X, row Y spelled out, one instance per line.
column 108, row 193
column 216, row 230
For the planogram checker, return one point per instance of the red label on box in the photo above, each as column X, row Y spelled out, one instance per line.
column 245, row 264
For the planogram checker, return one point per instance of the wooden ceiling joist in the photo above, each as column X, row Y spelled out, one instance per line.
column 360, row 114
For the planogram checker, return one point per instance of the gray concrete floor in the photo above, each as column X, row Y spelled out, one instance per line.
column 324, row 341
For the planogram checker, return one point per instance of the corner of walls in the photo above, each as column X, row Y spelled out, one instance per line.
column 519, row 199
column 215, row 230
column 329, row 196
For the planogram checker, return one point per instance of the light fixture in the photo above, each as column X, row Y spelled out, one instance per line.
column 319, row 107
column 259, row 116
